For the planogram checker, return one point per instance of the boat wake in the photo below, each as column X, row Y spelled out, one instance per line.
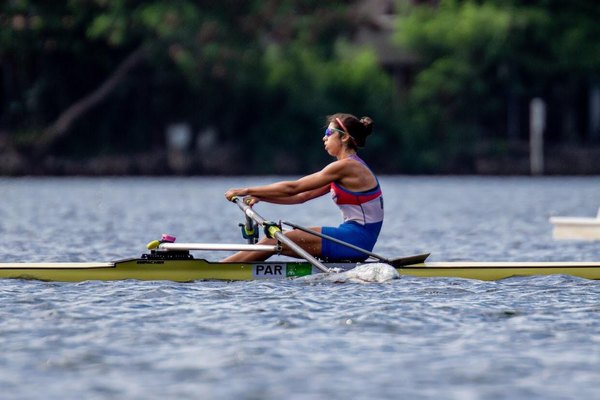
column 366, row 273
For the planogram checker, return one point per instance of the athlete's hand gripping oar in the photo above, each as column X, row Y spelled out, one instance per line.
column 275, row 231
column 395, row 262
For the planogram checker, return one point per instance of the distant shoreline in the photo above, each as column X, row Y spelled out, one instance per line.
column 559, row 160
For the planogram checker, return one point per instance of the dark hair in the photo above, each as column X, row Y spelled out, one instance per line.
column 359, row 129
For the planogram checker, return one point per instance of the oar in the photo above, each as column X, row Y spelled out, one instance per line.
column 274, row 231
column 395, row 262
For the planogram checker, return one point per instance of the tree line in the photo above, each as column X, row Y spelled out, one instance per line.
column 253, row 81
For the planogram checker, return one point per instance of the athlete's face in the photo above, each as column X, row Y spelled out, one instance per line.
column 332, row 140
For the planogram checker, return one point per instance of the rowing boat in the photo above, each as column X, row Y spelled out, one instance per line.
column 192, row 269
column 172, row 261
column 576, row 228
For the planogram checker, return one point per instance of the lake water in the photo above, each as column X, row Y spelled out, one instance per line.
column 520, row 338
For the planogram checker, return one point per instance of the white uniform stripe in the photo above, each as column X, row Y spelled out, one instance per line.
column 365, row 213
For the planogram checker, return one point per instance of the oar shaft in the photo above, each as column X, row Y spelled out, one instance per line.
column 395, row 262
column 336, row 240
column 300, row 251
column 275, row 231
column 250, row 213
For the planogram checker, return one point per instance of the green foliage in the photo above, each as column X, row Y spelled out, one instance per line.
column 460, row 45
column 252, row 69
column 265, row 73
column 299, row 89
column 475, row 54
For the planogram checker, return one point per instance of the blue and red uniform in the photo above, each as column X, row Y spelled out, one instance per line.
column 363, row 218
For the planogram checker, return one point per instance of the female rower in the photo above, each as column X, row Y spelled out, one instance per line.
column 354, row 188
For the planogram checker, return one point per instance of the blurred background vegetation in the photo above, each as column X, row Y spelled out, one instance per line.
column 243, row 86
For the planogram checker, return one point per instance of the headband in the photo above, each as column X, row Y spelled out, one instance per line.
column 339, row 121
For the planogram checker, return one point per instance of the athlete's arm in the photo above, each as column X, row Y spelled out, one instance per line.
column 297, row 198
column 300, row 190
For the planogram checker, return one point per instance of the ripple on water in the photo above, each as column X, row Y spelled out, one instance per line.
column 529, row 337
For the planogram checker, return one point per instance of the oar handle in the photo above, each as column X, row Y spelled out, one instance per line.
column 273, row 230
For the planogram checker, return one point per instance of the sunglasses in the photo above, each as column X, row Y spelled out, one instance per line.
column 331, row 131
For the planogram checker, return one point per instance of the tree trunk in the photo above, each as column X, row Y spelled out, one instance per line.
column 60, row 127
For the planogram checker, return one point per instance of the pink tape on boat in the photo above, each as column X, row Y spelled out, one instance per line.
column 166, row 238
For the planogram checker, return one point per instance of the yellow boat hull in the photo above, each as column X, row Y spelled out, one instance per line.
column 199, row 269
column 489, row 271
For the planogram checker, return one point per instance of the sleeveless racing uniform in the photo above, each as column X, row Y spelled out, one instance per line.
column 363, row 219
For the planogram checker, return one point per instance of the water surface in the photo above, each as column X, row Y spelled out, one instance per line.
column 533, row 337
